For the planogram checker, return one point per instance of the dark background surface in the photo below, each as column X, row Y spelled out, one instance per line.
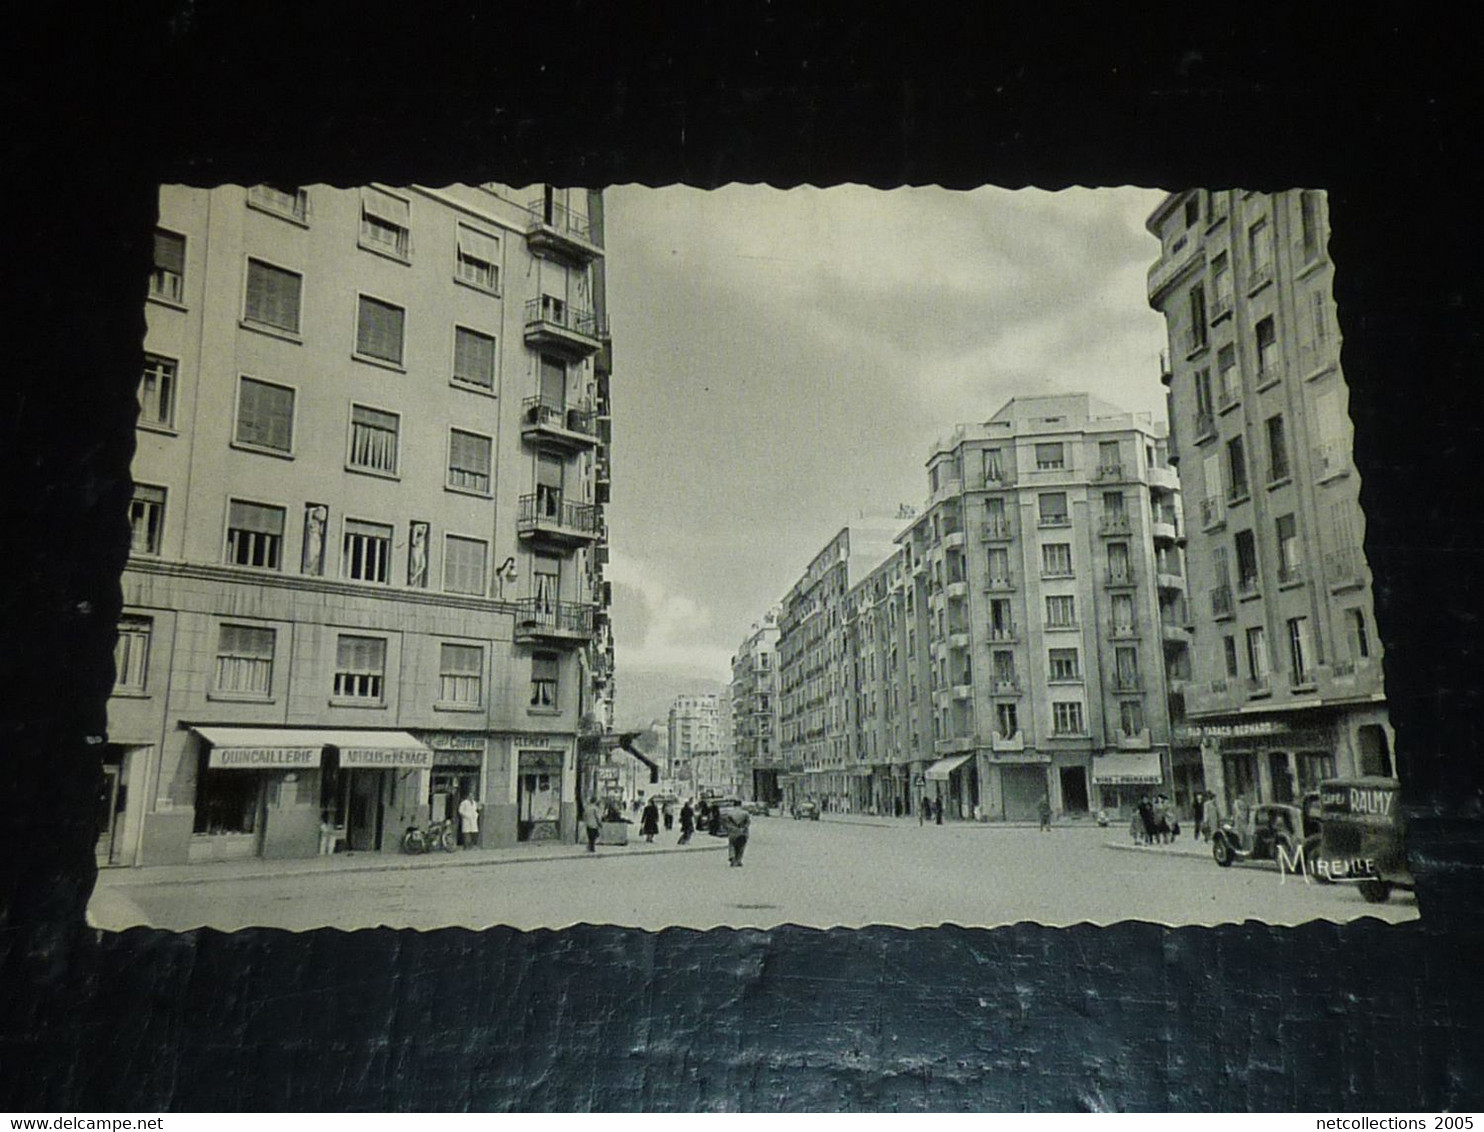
column 106, row 101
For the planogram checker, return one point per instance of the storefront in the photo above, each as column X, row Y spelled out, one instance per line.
column 122, row 785
column 955, row 782
column 1268, row 760
column 538, row 799
column 457, row 773
column 1124, row 778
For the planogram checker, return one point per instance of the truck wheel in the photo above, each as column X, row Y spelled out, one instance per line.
column 1221, row 852
column 1375, row 891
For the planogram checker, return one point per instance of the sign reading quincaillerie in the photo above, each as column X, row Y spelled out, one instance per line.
column 263, row 758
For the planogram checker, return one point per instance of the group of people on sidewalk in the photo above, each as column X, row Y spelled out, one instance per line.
column 1155, row 822
column 733, row 821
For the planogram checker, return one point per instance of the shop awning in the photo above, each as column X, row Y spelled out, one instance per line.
column 281, row 748
column 1127, row 768
column 261, row 748
column 941, row 769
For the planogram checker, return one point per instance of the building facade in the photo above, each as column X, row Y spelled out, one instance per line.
column 368, row 530
column 1042, row 571
column 698, row 749
column 1285, row 683
column 757, row 754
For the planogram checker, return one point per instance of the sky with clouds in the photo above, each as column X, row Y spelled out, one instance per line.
column 783, row 360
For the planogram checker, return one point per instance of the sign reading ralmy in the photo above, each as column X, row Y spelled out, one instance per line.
column 259, row 758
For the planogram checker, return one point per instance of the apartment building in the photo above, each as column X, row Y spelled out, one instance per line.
column 1285, row 684
column 1045, row 572
column 368, row 532
column 695, row 730
column 757, row 753
column 880, row 643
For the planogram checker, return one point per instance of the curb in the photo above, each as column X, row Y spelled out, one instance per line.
column 140, row 878
column 1164, row 849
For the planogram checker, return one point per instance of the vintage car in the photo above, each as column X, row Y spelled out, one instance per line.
column 806, row 809
column 1270, row 828
column 708, row 813
column 757, row 809
column 1364, row 836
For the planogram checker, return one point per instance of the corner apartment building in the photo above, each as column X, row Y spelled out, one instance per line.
column 757, row 755
column 881, row 642
column 1285, row 684
column 696, row 736
column 368, row 521
column 1045, row 573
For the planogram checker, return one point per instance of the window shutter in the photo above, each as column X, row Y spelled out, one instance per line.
column 384, row 206
column 474, row 357
column 255, row 517
column 379, row 330
column 170, row 252
column 476, row 245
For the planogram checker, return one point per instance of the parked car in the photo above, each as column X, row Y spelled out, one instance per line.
column 1364, row 835
column 808, row 810
column 711, row 808
column 757, row 809
column 1269, row 828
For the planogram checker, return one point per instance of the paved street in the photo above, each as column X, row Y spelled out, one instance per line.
column 821, row 874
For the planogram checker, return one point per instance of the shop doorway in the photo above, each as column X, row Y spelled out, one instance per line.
column 110, row 810
column 1280, row 774
column 1375, row 752
column 364, row 809
column 538, row 799
column 1023, row 788
column 1074, row 790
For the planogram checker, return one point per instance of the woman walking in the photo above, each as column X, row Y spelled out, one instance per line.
column 650, row 821
column 687, row 823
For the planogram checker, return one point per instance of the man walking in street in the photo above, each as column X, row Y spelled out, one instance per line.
column 734, row 822
column 592, row 821
column 687, row 823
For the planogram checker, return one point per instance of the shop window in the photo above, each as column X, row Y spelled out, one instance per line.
column 131, row 654
column 244, row 660
column 227, row 801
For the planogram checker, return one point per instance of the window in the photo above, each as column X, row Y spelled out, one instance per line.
column 157, row 392
column 1204, row 409
column 379, row 328
column 478, row 259
column 1260, row 252
column 1277, row 450
column 1267, row 351
column 1228, row 383
column 1221, row 279
column 999, row 566
column 1123, row 613
column 1229, row 652
column 1053, row 509
column 1000, row 622
column 244, row 660
column 1110, row 464
column 385, row 223
column 282, row 200
column 273, row 296
column 995, row 522
column 1064, row 664
column 1131, row 717
column 1192, row 209
column 468, row 461
column 1360, row 640
column 1056, row 560
column 1197, row 339
column 1050, row 457
column 474, row 358
column 373, row 440
column 1007, row 722
column 1126, row 667
column 464, row 565
column 1257, row 654
column 1299, row 650
column 1066, row 718
column 1003, row 662
column 146, row 519
column 1120, row 568
column 360, row 668
column 131, row 654
column 544, row 672
column 546, row 574
column 1290, row 553
column 994, row 469
column 1309, row 225
column 1246, row 562
column 1236, row 469
column 254, row 535
column 366, row 552
column 167, row 273
column 1061, row 612
column 265, row 416
column 460, row 673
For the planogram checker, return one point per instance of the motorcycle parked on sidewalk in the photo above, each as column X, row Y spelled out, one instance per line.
column 438, row 835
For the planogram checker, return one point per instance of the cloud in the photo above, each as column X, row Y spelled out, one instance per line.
column 671, row 632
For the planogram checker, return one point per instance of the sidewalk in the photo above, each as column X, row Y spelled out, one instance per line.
column 1182, row 846
column 961, row 823
column 365, row 862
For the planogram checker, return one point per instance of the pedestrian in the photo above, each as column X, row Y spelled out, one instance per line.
column 734, row 821
column 592, row 821
column 1045, row 810
column 923, row 810
column 650, row 821
column 1146, row 819
column 468, row 821
column 938, row 810
column 669, row 814
column 1210, row 815
column 687, row 823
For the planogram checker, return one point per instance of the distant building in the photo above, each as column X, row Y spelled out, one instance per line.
column 368, row 526
column 697, row 729
column 754, row 696
column 1285, row 683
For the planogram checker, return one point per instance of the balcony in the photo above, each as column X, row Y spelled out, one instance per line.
column 1213, row 513
column 1163, row 478
column 1248, row 587
column 1128, row 682
column 1227, row 397
column 1006, row 684
column 1114, row 524
column 1344, row 569
column 965, row 689
column 1303, row 681
column 1348, row 679
column 958, row 639
column 1331, row 460
column 1132, row 740
column 1208, row 698
column 1003, row 634
column 1257, row 686
column 1182, row 255
column 1318, row 356
column 558, row 327
column 1107, row 473
column 1221, row 306
column 1205, row 425
column 1014, row 742
column 1174, row 633
column 1116, row 579
column 1168, row 577
column 1239, row 492
column 959, row 745
column 1119, row 631
column 1003, row 583
column 996, row 530
column 1164, row 530
column 1269, row 372
column 953, row 540
column 957, row 591
column 548, row 518
column 1258, row 277
column 1291, row 574
column 1221, row 602
column 557, row 232
column 553, row 623
column 556, row 425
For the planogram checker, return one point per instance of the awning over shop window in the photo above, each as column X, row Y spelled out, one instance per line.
column 941, row 769
column 261, row 748
column 1127, row 768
